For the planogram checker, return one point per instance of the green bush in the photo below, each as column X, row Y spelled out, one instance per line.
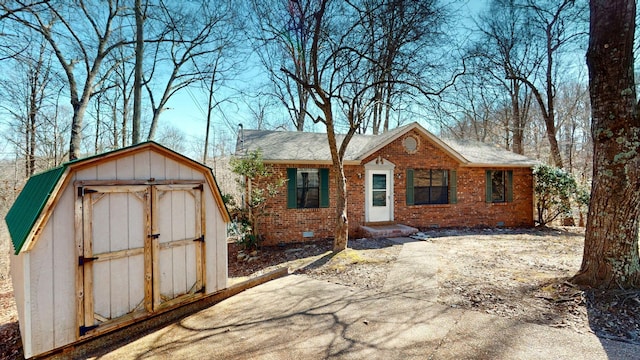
column 259, row 185
column 555, row 190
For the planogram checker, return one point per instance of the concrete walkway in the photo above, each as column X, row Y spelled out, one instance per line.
column 296, row 317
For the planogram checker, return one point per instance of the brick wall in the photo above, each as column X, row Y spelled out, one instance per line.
column 282, row 225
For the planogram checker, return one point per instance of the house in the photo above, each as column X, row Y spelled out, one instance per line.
column 406, row 176
column 108, row 240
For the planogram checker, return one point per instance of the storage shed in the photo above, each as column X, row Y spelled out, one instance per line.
column 108, row 240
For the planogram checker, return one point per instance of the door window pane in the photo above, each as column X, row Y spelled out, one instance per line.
column 379, row 191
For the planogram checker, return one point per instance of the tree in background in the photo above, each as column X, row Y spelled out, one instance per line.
column 139, row 15
column 505, row 50
column 281, row 36
column 555, row 26
column 401, row 34
column 193, row 36
column 78, row 33
column 342, row 85
column 611, row 258
column 523, row 42
column 29, row 94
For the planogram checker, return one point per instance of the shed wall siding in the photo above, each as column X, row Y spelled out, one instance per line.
column 216, row 250
column 52, row 283
column 20, row 281
column 141, row 166
column 45, row 278
column 42, row 292
column 65, row 267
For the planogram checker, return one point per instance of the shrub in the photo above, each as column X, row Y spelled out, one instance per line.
column 258, row 185
column 554, row 190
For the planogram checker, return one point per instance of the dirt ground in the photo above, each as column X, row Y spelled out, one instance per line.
column 521, row 274
column 516, row 273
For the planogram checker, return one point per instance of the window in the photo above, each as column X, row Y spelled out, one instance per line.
column 499, row 186
column 431, row 186
column 307, row 188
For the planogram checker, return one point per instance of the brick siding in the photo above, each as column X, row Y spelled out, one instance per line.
column 283, row 225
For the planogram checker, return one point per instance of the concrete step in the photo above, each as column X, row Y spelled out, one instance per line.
column 387, row 231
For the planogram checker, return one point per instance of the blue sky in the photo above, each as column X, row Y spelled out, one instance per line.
column 188, row 108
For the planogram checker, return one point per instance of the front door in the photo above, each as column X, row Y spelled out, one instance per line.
column 142, row 249
column 379, row 196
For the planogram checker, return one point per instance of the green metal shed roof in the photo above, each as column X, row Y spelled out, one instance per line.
column 27, row 208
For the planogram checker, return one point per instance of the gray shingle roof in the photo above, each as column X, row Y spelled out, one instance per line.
column 480, row 153
column 295, row 146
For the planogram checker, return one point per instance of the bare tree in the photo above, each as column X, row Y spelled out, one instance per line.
column 556, row 25
column 172, row 137
column 282, row 39
column 340, row 86
column 507, row 52
column 574, row 114
column 26, row 95
column 402, row 33
column 482, row 106
column 77, row 32
column 120, row 99
column 195, row 39
column 221, row 67
column 611, row 258
column 53, row 133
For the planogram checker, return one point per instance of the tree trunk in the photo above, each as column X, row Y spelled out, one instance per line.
column 31, row 133
column 341, row 234
column 76, row 128
column 154, row 122
column 517, row 132
column 96, row 141
column 610, row 257
column 209, row 111
column 342, row 224
column 553, row 141
column 137, row 79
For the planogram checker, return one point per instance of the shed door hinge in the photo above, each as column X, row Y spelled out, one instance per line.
column 154, row 236
column 200, row 239
column 85, row 329
column 82, row 191
column 199, row 187
column 83, row 260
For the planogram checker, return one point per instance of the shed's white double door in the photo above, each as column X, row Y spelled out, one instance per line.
column 142, row 249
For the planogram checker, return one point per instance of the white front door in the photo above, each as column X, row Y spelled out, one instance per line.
column 379, row 196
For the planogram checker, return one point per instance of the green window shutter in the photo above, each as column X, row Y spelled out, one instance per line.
column 324, row 188
column 509, row 186
column 453, row 187
column 410, row 187
column 292, row 202
column 488, row 186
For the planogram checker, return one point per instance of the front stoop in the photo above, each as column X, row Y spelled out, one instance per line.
column 387, row 231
